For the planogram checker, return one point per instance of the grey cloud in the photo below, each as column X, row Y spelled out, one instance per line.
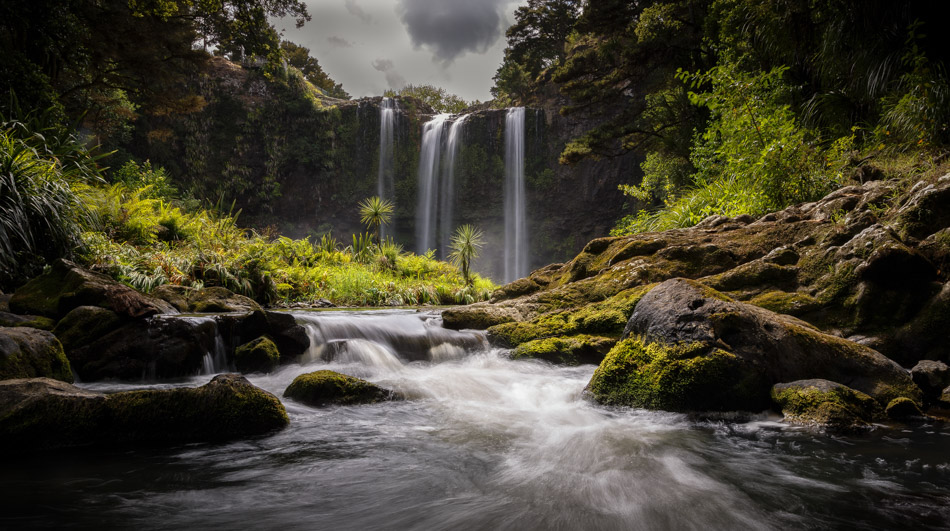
column 357, row 11
column 339, row 42
column 393, row 78
column 452, row 27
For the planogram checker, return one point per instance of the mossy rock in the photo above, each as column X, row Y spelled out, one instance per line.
column 902, row 408
column 569, row 350
column 84, row 325
column 756, row 274
column 40, row 414
column 29, row 321
column 685, row 377
column 788, row 303
column 259, row 355
column 325, row 388
column 826, row 404
column 220, row 300
column 66, row 286
column 476, row 317
column 32, row 353
column 177, row 296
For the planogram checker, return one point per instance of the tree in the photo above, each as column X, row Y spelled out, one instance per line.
column 465, row 246
column 374, row 213
column 300, row 58
column 435, row 97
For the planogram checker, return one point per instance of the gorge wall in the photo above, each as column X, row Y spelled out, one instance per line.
column 293, row 159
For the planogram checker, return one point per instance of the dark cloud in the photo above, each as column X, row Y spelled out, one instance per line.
column 393, row 78
column 357, row 11
column 452, row 27
column 339, row 42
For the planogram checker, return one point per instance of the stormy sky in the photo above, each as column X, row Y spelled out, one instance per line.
column 373, row 45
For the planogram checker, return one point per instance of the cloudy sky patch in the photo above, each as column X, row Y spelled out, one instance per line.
column 372, row 45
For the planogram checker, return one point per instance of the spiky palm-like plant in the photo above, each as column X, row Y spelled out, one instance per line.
column 465, row 245
column 376, row 212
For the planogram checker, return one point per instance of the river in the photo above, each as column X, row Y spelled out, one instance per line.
column 485, row 442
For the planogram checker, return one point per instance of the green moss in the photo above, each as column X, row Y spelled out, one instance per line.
column 85, row 324
column 902, row 408
column 515, row 333
column 28, row 353
column 685, row 377
column 41, row 323
column 476, row 318
column 322, row 388
column 787, row 303
column 259, row 355
column 570, row 350
column 754, row 274
column 825, row 403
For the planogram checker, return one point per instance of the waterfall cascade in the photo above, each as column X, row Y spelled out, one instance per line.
column 386, row 181
column 516, row 244
column 447, row 190
column 429, row 158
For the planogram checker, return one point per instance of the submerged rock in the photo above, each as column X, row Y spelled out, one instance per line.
column 66, row 286
column 42, row 414
column 259, row 355
column 688, row 348
column 826, row 404
column 325, row 388
column 29, row 353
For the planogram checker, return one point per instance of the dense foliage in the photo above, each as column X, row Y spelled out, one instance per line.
column 436, row 97
column 736, row 106
column 299, row 57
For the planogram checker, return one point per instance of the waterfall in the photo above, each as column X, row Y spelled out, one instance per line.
column 385, row 185
column 429, row 158
column 447, row 190
column 516, row 245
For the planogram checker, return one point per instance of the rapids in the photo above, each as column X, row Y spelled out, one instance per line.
column 485, row 442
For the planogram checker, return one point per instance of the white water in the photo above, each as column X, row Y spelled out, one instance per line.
column 484, row 442
column 447, row 190
column 516, row 227
column 385, row 185
column 429, row 158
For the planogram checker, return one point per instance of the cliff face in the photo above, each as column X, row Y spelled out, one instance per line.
column 291, row 158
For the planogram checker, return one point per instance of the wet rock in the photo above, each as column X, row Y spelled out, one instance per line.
column 42, row 414
column 159, row 347
column 29, row 353
column 944, row 398
column 478, row 316
column 291, row 339
column 66, row 286
column 566, row 350
column 926, row 209
column 826, row 404
column 325, row 388
column 690, row 348
column 85, row 324
column 218, row 299
column 259, row 355
column 931, row 376
column 177, row 296
column 31, row 321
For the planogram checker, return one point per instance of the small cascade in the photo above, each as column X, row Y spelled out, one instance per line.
column 516, row 238
column 429, row 158
column 384, row 338
column 386, row 180
column 447, row 190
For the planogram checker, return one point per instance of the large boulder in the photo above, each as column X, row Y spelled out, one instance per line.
column 825, row 404
column 85, row 324
column 325, row 388
column 932, row 377
column 41, row 414
column 66, row 286
column 259, row 355
column 158, row 347
column 31, row 321
column 689, row 347
column 28, row 353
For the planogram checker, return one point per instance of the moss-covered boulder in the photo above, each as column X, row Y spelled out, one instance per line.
column 66, row 286
column 478, row 316
column 325, row 388
column 30, row 321
column 568, row 350
column 84, row 325
column 29, row 353
column 41, row 414
column 825, row 404
column 175, row 295
column 218, row 299
column 902, row 408
column 690, row 347
column 259, row 355
column 685, row 377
